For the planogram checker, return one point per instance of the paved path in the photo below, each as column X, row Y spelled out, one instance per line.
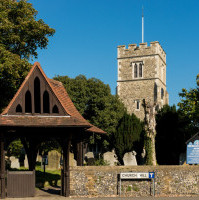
column 56, row 197
column 52, row 194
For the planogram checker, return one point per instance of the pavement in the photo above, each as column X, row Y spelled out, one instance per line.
column 53, row 194
column 105, row 198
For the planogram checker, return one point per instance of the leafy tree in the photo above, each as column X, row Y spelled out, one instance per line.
column 128, row 132
column 172, row 133
column 12, row 72
column 189, row 105
column 94, row 101
column 20, row 32
column 15, row 148
column 20, row 37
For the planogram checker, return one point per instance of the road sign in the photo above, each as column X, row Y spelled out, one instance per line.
column 137, row 175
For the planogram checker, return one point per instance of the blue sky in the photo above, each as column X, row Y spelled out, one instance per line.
column 89, row 31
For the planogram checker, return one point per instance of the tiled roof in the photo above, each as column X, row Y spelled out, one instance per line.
column 75, row 118
column 69, row 106
column 40, row 121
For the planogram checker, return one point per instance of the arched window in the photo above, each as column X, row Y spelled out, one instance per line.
column 28, row 102
column 46, row 103
column 140, row 70
column 162, row 93
column 19, row 108
column 37, row 98
column 155, row 92
column 55, row 109
column 135, row 71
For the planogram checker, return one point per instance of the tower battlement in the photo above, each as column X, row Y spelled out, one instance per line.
column 142, row 50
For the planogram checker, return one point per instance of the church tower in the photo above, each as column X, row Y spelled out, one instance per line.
column 142, row 75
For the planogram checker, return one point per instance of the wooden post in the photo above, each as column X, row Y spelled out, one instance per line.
column 80, row 153
column 66, row 168
column 2, row 167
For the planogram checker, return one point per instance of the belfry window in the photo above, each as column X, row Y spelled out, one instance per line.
column 28, row 102
column 135, row 71
column 46, row 103
column 138, row 70
column 37, row 98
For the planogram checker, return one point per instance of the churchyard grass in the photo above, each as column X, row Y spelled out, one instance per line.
column 50, row 178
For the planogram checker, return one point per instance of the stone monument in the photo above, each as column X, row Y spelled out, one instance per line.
column 129, row 159
column 110, row 158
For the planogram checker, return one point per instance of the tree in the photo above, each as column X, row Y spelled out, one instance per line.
column 15, row 148
column 13, row 70
column 189, row 105
column 94, row 101
column 128, row 132
column 150, row 132
column 20, row 37
column 172, row 133
column 20, row 32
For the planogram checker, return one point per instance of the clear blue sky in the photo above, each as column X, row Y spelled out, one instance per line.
column 89, row 31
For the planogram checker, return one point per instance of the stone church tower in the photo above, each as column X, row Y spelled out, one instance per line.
column 142, row 75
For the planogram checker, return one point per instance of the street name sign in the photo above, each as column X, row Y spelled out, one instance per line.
column 137, row 175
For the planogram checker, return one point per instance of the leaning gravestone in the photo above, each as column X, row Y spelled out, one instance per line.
column 111, row 158
column 53, row 160
column 14, row 162
column 130, row 159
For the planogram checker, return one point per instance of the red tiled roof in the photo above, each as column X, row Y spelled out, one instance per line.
column 40, row 121
column 68, row 104
column 58, row 89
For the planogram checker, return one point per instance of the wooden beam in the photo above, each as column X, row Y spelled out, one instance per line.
column 80, row 159
column 66, row 168
column 2, row 167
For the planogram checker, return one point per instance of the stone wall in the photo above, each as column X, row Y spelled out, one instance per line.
column 103, row 181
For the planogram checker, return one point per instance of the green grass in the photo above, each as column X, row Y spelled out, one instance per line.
column 51, row 177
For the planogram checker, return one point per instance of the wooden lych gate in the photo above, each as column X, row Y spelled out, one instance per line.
column 42, row 110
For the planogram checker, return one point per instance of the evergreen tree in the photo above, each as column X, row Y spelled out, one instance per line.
column 128, row 132
column 172, row 133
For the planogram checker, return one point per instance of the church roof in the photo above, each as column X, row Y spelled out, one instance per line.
column 67, row 117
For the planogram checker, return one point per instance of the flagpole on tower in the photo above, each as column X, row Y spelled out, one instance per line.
column 142, row 24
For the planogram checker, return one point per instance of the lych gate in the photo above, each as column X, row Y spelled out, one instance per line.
column 42, row 110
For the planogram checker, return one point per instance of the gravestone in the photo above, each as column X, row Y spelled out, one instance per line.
column 53, row 160
column 111, row 158
column 182, row 159
column 89, row 158
column 72, row 161
column 130, row 159
column 26, row 162
column 14, row 162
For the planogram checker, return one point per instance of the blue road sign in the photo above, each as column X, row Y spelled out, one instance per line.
column 151, row 174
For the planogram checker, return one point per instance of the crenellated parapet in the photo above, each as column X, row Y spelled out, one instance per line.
column 142, row 50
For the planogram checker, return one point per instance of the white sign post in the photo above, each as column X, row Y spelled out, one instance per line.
column 137, row 175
